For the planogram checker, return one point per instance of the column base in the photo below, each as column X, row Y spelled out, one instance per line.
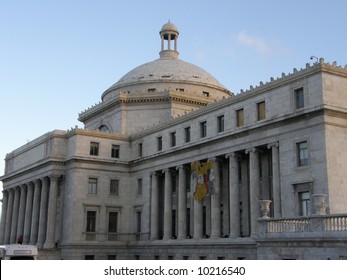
column 49, row 245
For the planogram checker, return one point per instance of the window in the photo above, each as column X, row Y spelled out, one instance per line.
column 206, row 94
column 261, row 110
column 302, row 153
column 304, row 201
column 113, row 222
column 114, row 187
column 239, row 117
column 140, row 150
column 187, row 134
column 115, row 151
column 299, row 98
column 103, row 128
column 139, row 187
column 92, row 186
column 173, row 139
column 138, row 221
column 220, row 123
column 203, row 129
column 91, row 221
column 94, row 149
column 160, row 143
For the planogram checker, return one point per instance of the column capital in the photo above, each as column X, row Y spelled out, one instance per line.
column 232, row 155
column 252, row 150
column 154, row 173
column 54, row 177
column 181, row 167
column 271, row 145
column 167, row 170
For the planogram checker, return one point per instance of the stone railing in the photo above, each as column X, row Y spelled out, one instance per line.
column 319, row 226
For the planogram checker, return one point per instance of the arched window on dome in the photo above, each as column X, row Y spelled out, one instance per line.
column 103, row 128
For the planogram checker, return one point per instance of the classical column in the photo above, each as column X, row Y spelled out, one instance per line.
column 182, row 203
column 9, row 216
column 276, row 184
column 28, row 213
column 215, row 201
column 43, row 213
column 198, row 219
column 52, row 211
column 35, row 213
column 14, row 224
column 234, row 203
column 3, row 215
column 21, row 214
column 167, row 205
column 154, row 207
column 254, row 186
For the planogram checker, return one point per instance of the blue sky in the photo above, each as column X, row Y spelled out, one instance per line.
column 57, row 57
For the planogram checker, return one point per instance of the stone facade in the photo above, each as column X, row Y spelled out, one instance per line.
column 126, row 185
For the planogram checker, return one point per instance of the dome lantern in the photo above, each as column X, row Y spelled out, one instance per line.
column 169, row 33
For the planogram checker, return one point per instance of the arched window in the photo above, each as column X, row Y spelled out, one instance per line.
column 103, row 128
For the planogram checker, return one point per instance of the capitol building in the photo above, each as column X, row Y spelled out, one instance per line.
column 172, row 165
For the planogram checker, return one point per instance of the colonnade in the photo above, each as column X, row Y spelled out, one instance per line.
column 29, row 213
column 161, row 225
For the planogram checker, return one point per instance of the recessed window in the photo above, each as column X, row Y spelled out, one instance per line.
column 203, row 129
column 206, row 94
column 92, row 186
column 91, row 221
column 140, row 149
column 113, row 222
column 115, row 151
column 302, row 153
column 160, row 143
column 239, row 117
column 261, row 110
column 304, row 203
column 138, row 221
column 114, row 187
column 173, row 139
column 187, row 134
column 139, row 187
column 220, row 123
column 94, row 149
column 299, row 98
column 103, row 128
column 152, row 90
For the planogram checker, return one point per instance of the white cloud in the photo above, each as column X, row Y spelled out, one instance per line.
column 260, row 44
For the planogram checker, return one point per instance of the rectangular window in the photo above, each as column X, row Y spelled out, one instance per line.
column 113, row 222
column 139, row 187
column 261, row 110
column 92, row 186
column 206, row 94
column 138, row 221
column 114, row 187
column 299, row 98
column 187, row 134
column 91, row 221
column 173, row 139
column 304, row 200
column 239, row 117
column 203, row 129
column 160, row 143
column 140, row 150
column 115, row 151
column 220, row 123
column 94, row 148
column 302, row 153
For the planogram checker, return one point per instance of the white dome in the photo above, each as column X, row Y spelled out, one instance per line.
column 166, row 73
